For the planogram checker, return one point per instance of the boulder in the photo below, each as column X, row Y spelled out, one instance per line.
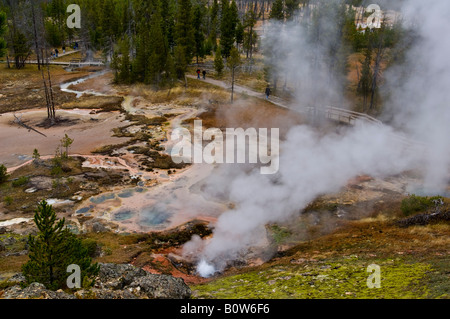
column 114, row 281
column 17, row 278
column 96, row 293
column 117, row 276
column 8, row 241
column 35, row 291
column 160, row 287
column 141, row 283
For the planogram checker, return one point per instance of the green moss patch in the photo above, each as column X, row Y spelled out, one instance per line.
column 341, row 278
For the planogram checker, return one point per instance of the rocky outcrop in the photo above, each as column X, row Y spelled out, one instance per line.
column 115, row 281
column 35, row 291
column 141, row 283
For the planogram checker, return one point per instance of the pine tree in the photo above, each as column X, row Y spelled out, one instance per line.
column 198, row 32
column 55, row 26
column 66, row 141
column 158, row 47
column 214, row 24
column 53, row 35
column 53, row 249
column 3, row 27
column 21, row 48
column 3, row 174
column 218, row 62
column 125, row 63
column 365, row 83
column 233, row 62
column 240, row 33
column 277, row 12
column 36, row 155
column 179, row 57
column 109, row 25
column 168, row 18
column 291, row 8
column 228, row 27
column 184, row 30
column 249, row 24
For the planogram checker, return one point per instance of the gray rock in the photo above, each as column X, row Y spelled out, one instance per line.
column 141, row 283
column 17, row 278
column 9, row 241
column 35, row 291
column 99, row 227
column 160, row 287
column 2, row 230
column 117, row 276
column 12, row 292
column 115, row 281
column 96, row 293
column 17, row 253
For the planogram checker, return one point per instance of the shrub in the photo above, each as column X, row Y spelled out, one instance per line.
column 413, row 204
column 3, row 174
column 8, row 200
column 20, row 181
column 91, row 246
column 36, row 155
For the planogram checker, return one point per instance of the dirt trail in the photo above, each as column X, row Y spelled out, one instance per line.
column 244, row 90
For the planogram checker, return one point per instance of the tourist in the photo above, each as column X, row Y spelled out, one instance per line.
column 267, row 92
column 204, row 75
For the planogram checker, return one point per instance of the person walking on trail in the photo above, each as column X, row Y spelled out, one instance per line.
column 198, row 73
column 56, row 52
column 267, row 92
column 64, row 49
column 204, row 75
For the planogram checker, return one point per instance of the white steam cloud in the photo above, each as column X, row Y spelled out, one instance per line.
column 312, row 164
column 420, row 88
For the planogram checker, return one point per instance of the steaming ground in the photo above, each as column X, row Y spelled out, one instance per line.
column 312, row 165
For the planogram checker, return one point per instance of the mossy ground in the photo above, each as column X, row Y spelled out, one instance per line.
column 339, row 278
column 413, row 264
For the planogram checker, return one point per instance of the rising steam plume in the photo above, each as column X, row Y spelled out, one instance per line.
column 312, row 164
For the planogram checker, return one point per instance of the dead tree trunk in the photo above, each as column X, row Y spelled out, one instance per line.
column 35, row 37
column 377, row 70
column 51, row 114
column 232, row 83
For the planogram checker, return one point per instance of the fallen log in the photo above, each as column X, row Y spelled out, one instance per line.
column 29, row 128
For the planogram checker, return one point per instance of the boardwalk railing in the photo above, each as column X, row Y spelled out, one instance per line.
column 340, row 115
column 349, row 117
column 75, row 62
